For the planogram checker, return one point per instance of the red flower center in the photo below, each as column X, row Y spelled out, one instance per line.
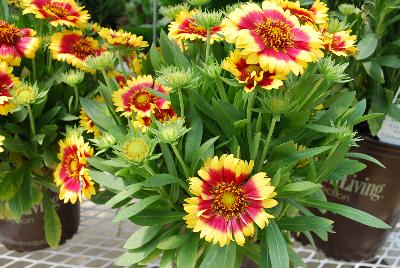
column 56, row 10
column 228, row 200
column 5, row 84
column 73, row 167
column 163, row 115
column 275, row 34
column 9, row 34
column 195, row 28
column 142, row 98
column 83, row 48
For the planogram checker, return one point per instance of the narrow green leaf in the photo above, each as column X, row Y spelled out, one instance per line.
column 201, row 153
column 305, row 223
column 160, row 180
column 52, row 224
column 195, row 134
column 187, row 254
column 219, row 257
column 134, row 256
column 167, row 260
column 375, row 71
column 326, row 129
column 134, row 209
column 367, row 46
column 142, row 236
column 299, row 187
column 348, row 212
column 295, row 258
column 159, row 216
column 365, row 157
column 107, row 180
column 174, row 241
column 121, row 196
column 277, row 246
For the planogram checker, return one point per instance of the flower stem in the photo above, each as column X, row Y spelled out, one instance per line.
column 275, row 118
column 221, row 89
column 312, row 91
column 121, row 62
column 181, row 104
column 250, row 106
column 208, row 45
column 31, row 121
column 154, row 21
column 181, row 161
column 34, row 69
column 6, row 10
column 76, row 99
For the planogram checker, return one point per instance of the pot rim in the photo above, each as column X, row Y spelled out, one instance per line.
column 379, row 143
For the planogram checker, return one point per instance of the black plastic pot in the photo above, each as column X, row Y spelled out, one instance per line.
column 375, row 190
column 29, row 234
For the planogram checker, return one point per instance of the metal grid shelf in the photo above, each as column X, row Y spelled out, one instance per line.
column 98, row 243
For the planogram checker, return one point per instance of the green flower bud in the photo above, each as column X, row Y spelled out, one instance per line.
column 104, row 142
column 335, row 25
column 277, row 101
column 347, row 9
column 208, row 19
column 170, row 131
column 198, row 2
column 25, row 94
column 101, row 62
column 136, row 147
column 72, row 78
column 73, row 131
column 333, row 72
column 213, row 69
column 172, row 11
column 176, row 78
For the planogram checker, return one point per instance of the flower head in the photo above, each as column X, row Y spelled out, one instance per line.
column 341, row 43
column 348, row 9
column 277, row 101
column 25, row 93
column 58, row 12
column 320, row 10
column 103, row 142
column 208, row 19
column 225, row 203
column 2, row 138
column 100, row 62
column 176, row 77
column 87, row 124
column 7, row 82
column 304, row 15
column 73, row 47
column 17, row 43
column 71, row 173
column 251, row 74
column 136, row 147
column 136, row 97
column 72, row 78
column 123, row 39
column 170, row 131
column 272, row 37
column 172, row 11
column 185, row 27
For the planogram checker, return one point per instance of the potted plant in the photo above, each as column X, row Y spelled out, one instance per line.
column 219, row 147
column 42, row 76
column 376, row 73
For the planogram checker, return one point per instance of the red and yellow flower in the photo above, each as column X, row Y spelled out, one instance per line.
column 272, row 37
column 2, row 138
column 58, row 12
column 320, row 11
column 71, row 173
column 87, row 123
column 185, row 27
column 122, row 38
column 341, row 43
column 7, row 82
column 251, row 74
column 74, row 47
column 161, row 115
column 304, row 15
column 225, row 203
column 135, row 97
column 17, row 43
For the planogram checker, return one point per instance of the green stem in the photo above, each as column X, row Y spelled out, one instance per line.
column 180, row 159
column 275, row 118
column 31, row 121
column 208, row 45
column 6, row 10
column 181, row 104
column 34, row 69
column 155, row 21
column 221, row 89
column 121, row 62
column 76, row 98
column 315, row 87
column 250, row 106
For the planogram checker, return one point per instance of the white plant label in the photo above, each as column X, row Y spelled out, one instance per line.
column 390, row 131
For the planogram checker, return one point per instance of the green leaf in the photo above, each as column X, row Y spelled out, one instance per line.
column 219, row 257
column 365, row 157
column 9, row 184
column 392, row 61
column 346, row 167
column 195, row 134
column 277, row 246
column 167, row 260
column 157, row 216
column 22, row 202
column 155, row 57
column 252, row 251
column 201, row 153
column 326, row 129
column 348, row 212
column 121, row 196
column 187, row 254
column 98, row 113
column 134, row 256
column 374, row 70
column 367, row 46
column 142, row 236
column 302, row 186
column 305, row 223
column 295, row 258
column 174, row 241
column 134, row 209
column 52, row 224
column 160, row 180
column 107, row 180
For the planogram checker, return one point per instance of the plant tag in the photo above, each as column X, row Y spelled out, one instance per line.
column 390, row 131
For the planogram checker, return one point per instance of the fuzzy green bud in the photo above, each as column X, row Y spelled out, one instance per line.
column 172, row 11
column 335, row 25
column 277, row 101
column 213, row 70
column 104, row 141
column 208, row 19
column 347, row 9
column 101, row 62
column 333, row 72
column 170, row 131
column 25, row 94
column 176, row 78
column 72, row 78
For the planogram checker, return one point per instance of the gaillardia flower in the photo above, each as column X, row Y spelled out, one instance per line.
column 185, row 27
column 304, row 15
column 272, row 37
column 320, row 11
column 17, row 43
column 7, row 82
column 251, row 74
column 58, row 12
column 341, row 43
column 2, row 138
column 136, row 147
column 226, row 205
column 87, row 124
column 136, row 97
column 73, row 47
column 122, row 38
column 71, row 173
